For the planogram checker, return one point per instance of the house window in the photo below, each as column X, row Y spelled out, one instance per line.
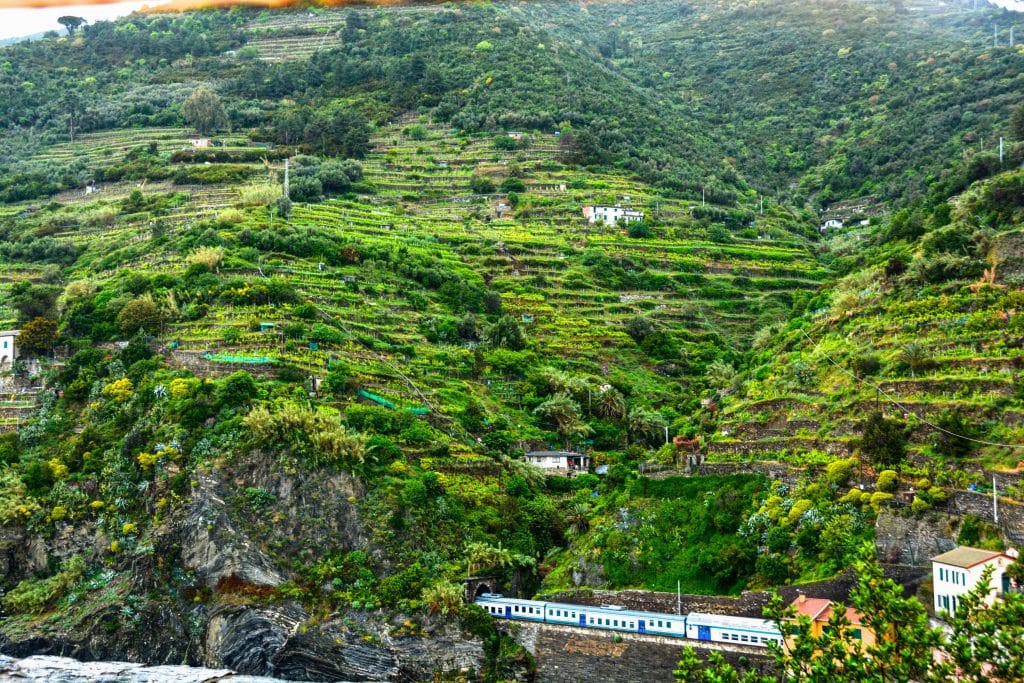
column 856, row 633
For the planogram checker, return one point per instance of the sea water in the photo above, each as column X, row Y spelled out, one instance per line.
column 67, row 670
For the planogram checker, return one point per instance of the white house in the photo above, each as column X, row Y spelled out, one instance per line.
column 958, row 571
column 611, row 215
column 569, row 461
column 7, row 350
column 199, row 143
column 831, row 224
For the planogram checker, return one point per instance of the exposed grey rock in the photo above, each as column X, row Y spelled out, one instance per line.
column 247, row 639
column 589, row 574
column 354, row 646
column 913, row 540
column 214, row 548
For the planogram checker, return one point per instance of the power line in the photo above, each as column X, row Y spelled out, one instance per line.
column 899, row 405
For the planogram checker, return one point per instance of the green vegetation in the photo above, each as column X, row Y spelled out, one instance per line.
column 424, row 299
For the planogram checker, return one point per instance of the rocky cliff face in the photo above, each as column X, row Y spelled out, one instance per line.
column 914, row 540
column 201, row 596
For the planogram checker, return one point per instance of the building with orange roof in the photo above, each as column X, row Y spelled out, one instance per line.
column 819, row 611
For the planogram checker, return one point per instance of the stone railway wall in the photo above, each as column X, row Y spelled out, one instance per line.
column 566, row 654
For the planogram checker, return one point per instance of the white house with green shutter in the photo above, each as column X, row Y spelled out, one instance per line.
column 957, row 572
column 7, row 349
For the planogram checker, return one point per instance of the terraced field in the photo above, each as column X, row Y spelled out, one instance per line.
column 959, row 350
column 572, row 286
column 534, row 263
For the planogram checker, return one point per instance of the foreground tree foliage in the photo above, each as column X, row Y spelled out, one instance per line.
column 985, row 643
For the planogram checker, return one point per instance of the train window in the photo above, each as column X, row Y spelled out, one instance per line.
column 743, row 638
column 668, row 624
column 632, row 625
column 573, row 615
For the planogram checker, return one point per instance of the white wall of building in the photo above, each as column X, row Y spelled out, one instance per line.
column 950, row 583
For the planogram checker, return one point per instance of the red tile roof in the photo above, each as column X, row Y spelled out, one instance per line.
column 820, row 609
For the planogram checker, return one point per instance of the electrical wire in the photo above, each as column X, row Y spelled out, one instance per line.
column 899, row 405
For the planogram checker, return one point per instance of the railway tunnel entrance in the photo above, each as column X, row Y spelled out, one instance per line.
column 475, row 586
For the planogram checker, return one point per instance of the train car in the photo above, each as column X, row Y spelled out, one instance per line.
column 605, row 618
column 498, row 605
column 720, row 628
column 613, row 618
column 695, row 626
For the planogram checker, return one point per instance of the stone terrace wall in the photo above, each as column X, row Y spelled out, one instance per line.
column 1011, row 514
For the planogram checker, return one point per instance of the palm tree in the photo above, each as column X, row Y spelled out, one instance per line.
column 578, row 517
column 481, row 555
column 915, row 356
column 610, row 403
column 644, row 424
column 720, row 374
column 559, row 409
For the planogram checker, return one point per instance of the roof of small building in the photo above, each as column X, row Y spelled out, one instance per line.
column 810, row 607
column 966, row 557
column 552, row 454
column 820, row 609
column 9, row 333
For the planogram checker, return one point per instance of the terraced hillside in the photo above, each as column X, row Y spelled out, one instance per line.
column 928, row 338
column 571, row 286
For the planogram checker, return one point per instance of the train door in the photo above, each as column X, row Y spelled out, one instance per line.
column 703, row 633
column 583, row 619
column 508, row 611
column 640, row 627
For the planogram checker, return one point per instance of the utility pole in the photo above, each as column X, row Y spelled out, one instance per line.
column 762, row 205
column 995, row 503
column 702, row 195
column 1000, row 150
column 679, row 597
column 287, row 194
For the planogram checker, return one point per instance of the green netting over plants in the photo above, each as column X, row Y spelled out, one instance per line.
column 416, row 410
column 245, row 360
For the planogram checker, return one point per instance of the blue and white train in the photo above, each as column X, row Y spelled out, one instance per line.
column 695, row 625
